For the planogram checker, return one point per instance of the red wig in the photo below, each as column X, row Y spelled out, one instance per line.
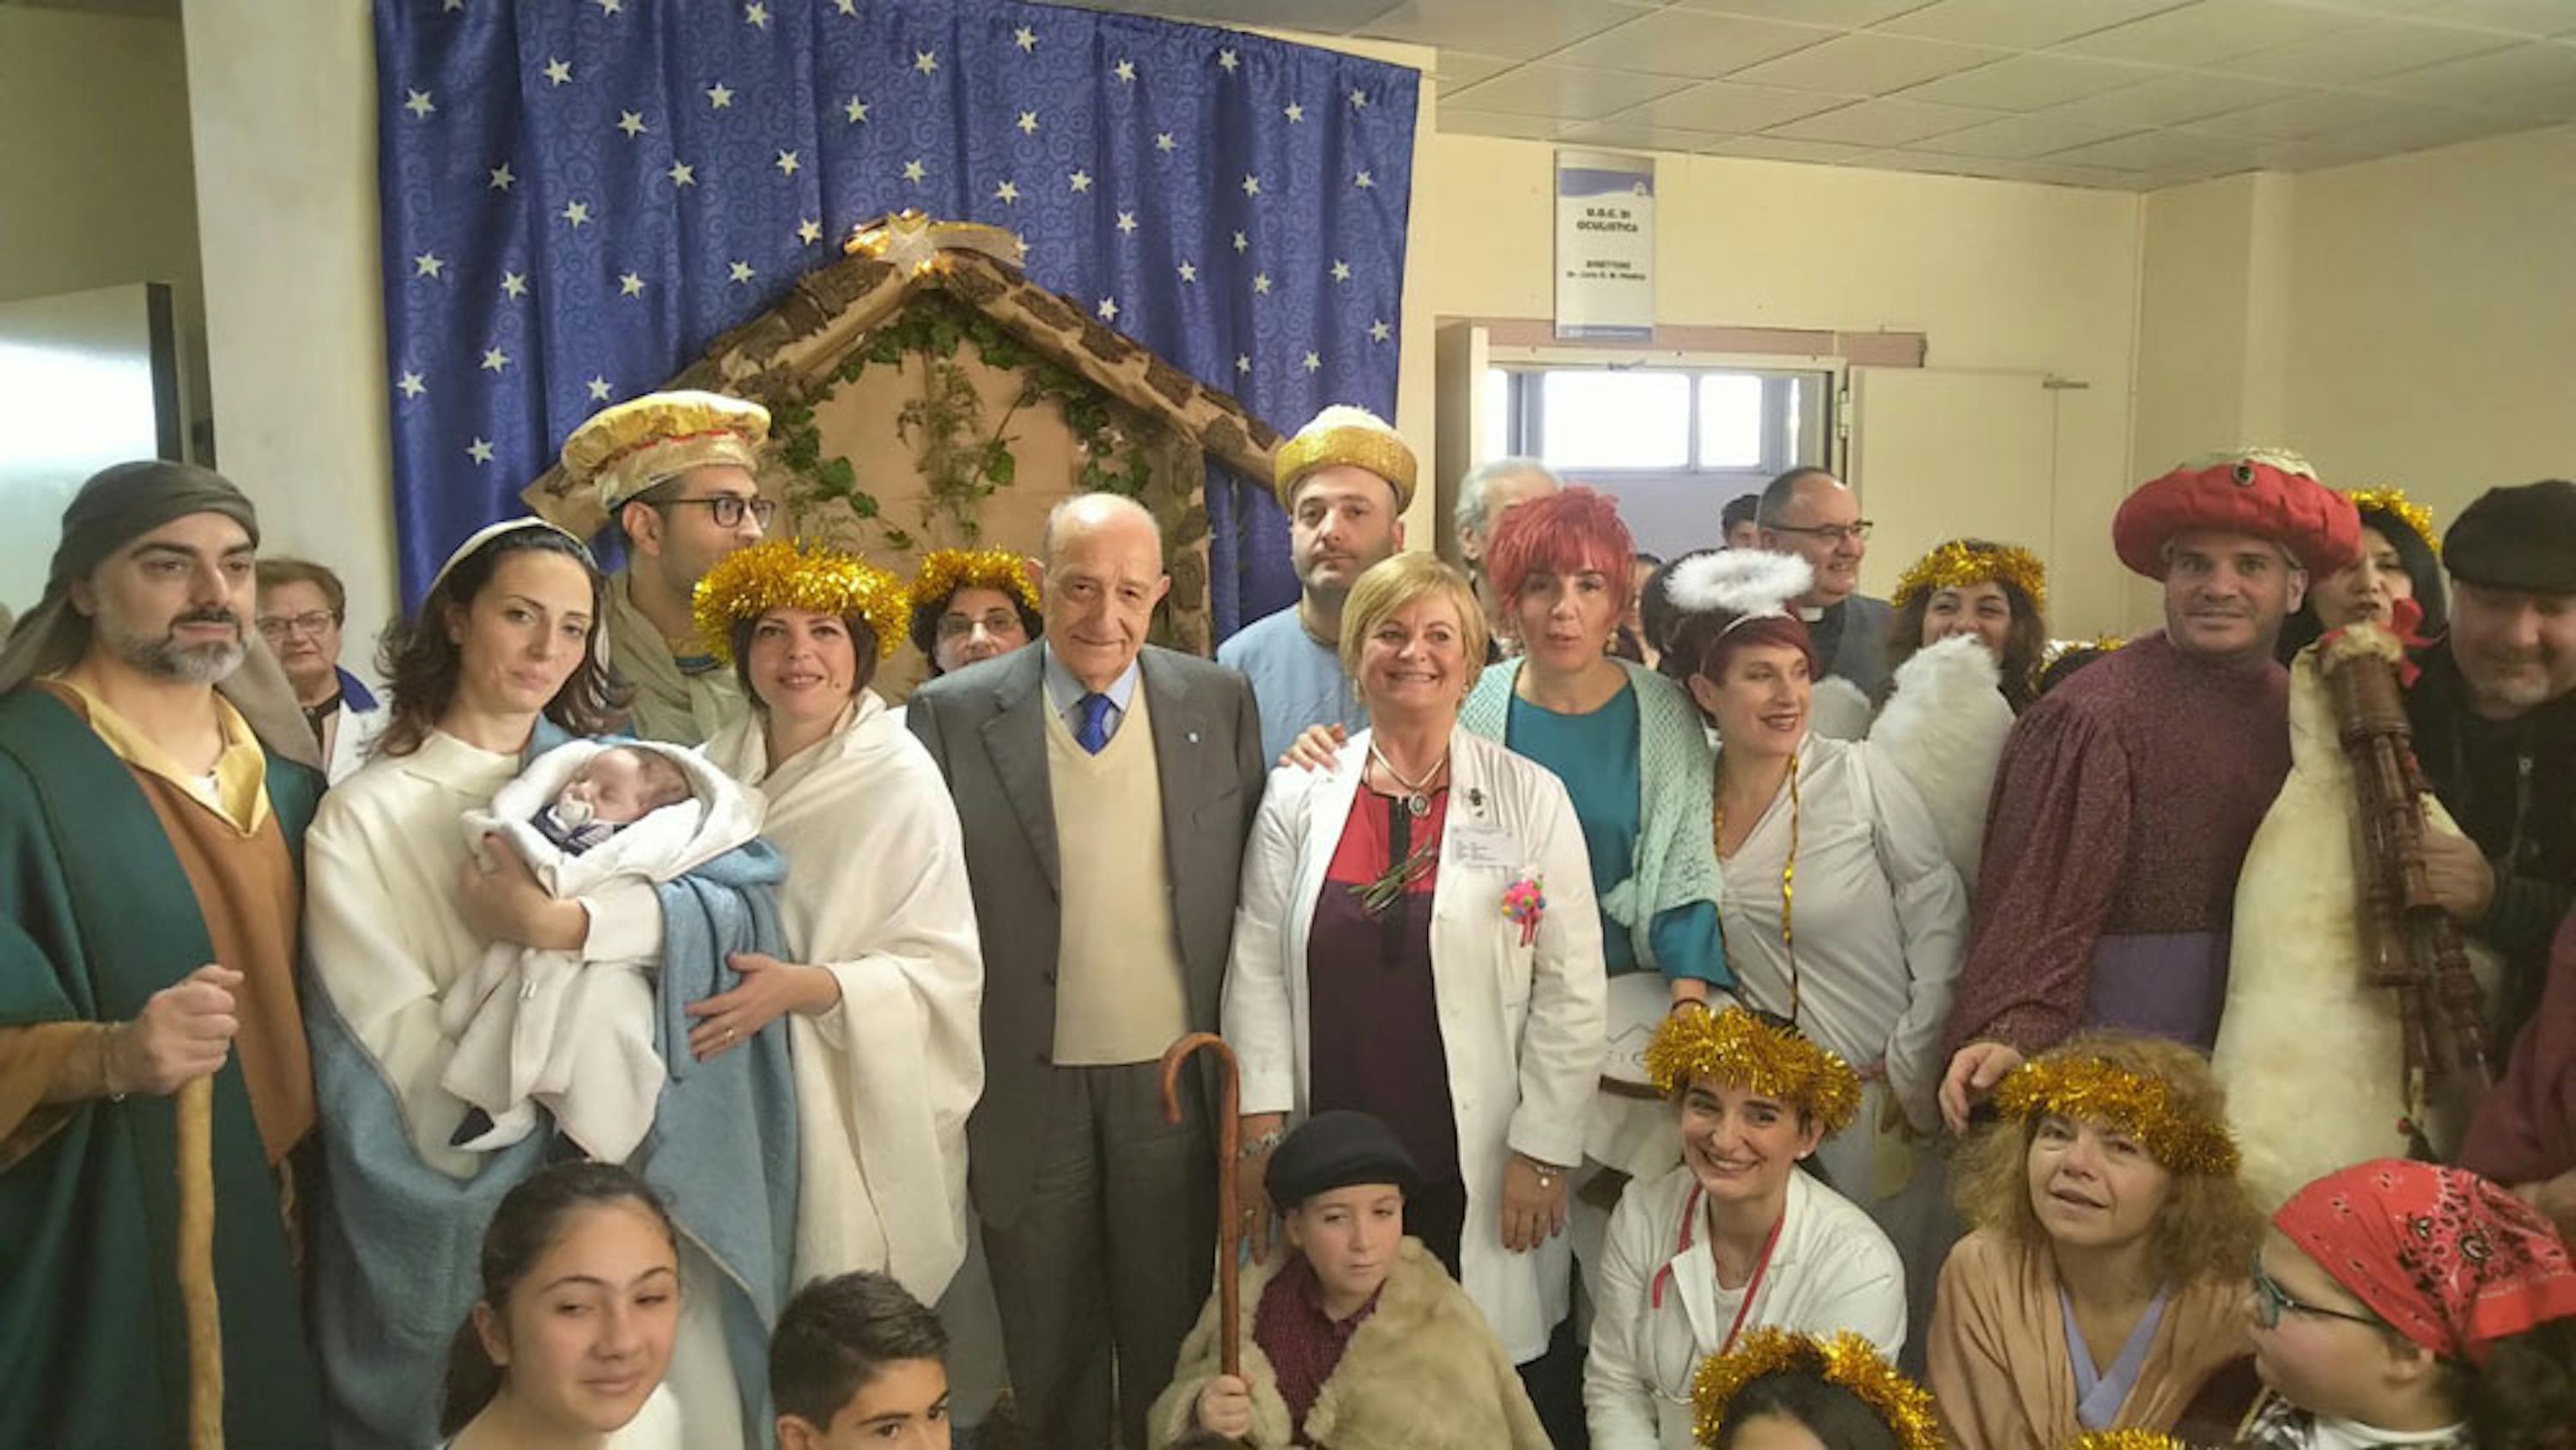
column 1571, row 531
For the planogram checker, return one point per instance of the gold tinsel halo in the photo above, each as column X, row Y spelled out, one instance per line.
column 2125, row 1440
column 1846, row 1359
column 1737, row 1047
column 749, row 583
column 2393, row 500
column 945, row 571
column 2090, row 1088
column 1959, row 563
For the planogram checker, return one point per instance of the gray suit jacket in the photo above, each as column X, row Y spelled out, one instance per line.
column 1861, row 655
column 986, row 726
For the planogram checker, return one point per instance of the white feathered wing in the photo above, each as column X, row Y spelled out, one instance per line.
column 1944, row 729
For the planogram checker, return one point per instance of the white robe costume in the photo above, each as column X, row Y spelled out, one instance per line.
column 546, row 1028
column 876, row 895
column 386, row 941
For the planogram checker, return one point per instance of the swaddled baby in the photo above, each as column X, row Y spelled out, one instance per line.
column 618, row 787
column 537, row 1028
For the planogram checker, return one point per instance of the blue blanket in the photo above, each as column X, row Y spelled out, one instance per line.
column 395, row 1243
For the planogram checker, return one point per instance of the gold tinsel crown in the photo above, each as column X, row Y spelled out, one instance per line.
column 1846, row 1359
column 2393, row 500
column 2125, row 1440
column 749, row 583
column 2091, row 1088
column 1961, row 562
column 945, row 571
column 1735, row 1046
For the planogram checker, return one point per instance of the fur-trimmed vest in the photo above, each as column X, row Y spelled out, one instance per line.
column 1423, row 1373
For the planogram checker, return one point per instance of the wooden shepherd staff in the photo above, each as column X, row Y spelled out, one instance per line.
column 1229, row 1223
column 196, row 1132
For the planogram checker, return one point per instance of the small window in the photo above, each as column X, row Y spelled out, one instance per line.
column 1730, row 420
column 1616, row 420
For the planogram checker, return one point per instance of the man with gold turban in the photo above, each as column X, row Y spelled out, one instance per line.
column 675, row 473
column 1344, row 481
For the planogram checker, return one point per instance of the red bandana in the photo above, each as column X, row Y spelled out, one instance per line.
column 2453, row 1261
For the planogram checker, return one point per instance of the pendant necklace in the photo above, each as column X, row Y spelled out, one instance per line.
column 1417, row 798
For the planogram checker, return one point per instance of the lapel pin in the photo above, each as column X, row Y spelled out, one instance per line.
column 1194, row 737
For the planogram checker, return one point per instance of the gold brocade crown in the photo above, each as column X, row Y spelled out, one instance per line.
column 1735, row 1046
column 624, row 450
column 749, row 583
column 1961, row 562
column 1343, row 434
column 945, row 571
column 2090, row 1088
column 2393, row 500
column 1846, row 1359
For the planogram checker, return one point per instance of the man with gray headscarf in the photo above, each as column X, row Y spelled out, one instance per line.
column 149, row 832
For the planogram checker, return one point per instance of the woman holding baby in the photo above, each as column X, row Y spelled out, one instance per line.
column 436, row 897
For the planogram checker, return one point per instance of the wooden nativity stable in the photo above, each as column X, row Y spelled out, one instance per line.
column 926, row 394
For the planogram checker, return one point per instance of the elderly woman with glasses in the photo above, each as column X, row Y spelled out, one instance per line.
column 2103, row 1287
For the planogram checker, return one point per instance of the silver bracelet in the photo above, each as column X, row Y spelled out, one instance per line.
column 1262, row 1144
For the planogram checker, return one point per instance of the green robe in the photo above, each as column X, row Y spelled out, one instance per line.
column 96, row 915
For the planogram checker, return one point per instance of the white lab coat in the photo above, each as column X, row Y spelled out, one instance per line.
column 1521, row 1026
column 1831, row 1270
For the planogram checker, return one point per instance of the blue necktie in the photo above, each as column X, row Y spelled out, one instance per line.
column 1093, row 735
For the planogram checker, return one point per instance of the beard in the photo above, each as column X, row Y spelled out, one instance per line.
column 188, row 664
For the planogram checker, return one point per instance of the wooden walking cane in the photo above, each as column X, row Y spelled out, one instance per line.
column 1229, row 1224
column 196, row 1132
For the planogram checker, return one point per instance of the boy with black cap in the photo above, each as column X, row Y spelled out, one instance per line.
column 2494, row 713
column 1359, row 1339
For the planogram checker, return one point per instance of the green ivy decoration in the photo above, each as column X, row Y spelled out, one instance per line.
column 962, row 461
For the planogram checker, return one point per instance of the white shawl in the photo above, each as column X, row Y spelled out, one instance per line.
column 876, row 894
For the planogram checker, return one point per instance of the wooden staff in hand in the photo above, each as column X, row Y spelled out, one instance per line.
column 1229, row 1220
column 196, row 1135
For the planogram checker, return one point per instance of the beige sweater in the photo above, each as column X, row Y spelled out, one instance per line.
column 1120, row 994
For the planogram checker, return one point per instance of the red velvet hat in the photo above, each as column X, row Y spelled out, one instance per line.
column 2257, row 491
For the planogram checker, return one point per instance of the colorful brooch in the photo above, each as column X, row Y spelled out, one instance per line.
column 1525, row 903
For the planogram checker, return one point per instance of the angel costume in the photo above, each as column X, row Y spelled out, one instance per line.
column 876, row 895
column 546, row 1028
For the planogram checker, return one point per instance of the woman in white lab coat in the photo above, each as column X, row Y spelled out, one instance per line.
column 1740, row 1237
column 1417, row 939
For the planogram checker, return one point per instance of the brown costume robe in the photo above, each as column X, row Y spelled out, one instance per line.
column 2001, row 1368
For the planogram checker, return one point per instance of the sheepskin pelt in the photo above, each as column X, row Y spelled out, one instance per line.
column 1423, row 1373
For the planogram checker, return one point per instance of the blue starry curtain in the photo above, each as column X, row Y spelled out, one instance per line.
column 579, row 195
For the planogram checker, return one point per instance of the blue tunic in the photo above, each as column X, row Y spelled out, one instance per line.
column 1297, row 680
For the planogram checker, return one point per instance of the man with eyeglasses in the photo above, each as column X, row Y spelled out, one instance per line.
column 301, row 608
column 675, row 473
column 2127, row 797
column 1808, row 512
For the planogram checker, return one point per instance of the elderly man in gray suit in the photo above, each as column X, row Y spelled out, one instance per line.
column 1808, row 512
column 1107, row 788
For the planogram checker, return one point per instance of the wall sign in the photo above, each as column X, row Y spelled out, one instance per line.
column 1605, row 246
